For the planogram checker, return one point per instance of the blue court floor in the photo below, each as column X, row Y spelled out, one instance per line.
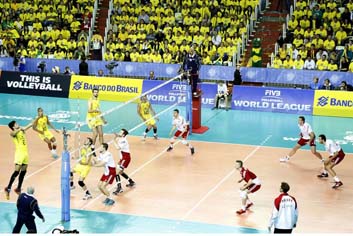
column 238, row 127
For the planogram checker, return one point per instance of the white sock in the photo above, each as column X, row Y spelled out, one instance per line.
column 243, row 208
column 53, row 151
column 324, row 171
column 336, row 179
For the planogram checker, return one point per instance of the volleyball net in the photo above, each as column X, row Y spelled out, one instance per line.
column 164, row 98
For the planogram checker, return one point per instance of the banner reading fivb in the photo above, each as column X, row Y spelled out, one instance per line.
column 174, row 92
column 273, row 99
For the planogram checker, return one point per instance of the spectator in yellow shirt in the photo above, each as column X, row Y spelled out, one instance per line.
column 350, row 68
column 329, row 43
column 335, row 24
column 288, row 63
column 108, row 56
column 341, row 35
column 322, row 63
column 332, row 66
column 298, row 63
column 277, row 62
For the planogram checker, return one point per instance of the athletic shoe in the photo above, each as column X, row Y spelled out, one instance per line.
column 54, row 155
column 118, row 190
column 337, row 185
column 110, row 202
column 155, row 137
column 322, row 175
column 241, row 211
column 87, row 196
column 192, row 150
column 249, row 205
column 17, row 190
column 169, row 149
column 106, row 200
column 7, row 193
column 284, row 159
column 144, row 137
column 131, row 184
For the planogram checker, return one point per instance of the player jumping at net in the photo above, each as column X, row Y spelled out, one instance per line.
column 182, row 127
column 252, row 184
column 40, row 125
column 307, row 136
column 146, row 112
column 21, row 156
column 94, row 118
column 106, row 159
column 336, row 156
column 83, row 167
column 122, row 144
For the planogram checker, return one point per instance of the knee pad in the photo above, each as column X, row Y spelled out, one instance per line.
column 81, row 183
column 243, row 194
column 184, row 142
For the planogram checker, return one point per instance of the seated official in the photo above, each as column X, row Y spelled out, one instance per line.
column 222, row 93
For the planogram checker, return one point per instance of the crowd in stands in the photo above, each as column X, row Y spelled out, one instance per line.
column 319, row 37
column 164, row 31
column 45, row 28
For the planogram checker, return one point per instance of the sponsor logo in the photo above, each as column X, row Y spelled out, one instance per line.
column 322, row 101
column 77, row 85
column 34, row 82
column 273, row 99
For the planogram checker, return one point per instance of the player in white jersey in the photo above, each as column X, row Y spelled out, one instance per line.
column 307, row 136
column 182, row 127
column 336, row 156
column 122, row 144
column 106, row 159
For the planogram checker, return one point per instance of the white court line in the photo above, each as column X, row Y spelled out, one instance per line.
column 131, row 174
column 223, row 180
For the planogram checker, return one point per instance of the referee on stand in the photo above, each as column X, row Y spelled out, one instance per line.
column 192, row 65
column 26, row 204
column 285, row 212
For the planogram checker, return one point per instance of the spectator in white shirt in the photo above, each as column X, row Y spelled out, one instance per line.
column 216, row 38
column 285, row 212
column 309, row 64
column 222, row 93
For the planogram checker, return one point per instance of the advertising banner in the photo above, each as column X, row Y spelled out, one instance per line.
column 169, row 94
column 110, row 89
column 39, row 84
column 272, row 99
column 333, row 103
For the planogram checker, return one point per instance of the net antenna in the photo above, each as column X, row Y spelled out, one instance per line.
column 65, row 180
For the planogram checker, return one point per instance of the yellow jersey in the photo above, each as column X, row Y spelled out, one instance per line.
column 42, row 123
column 20, row 141
column 145, row 108
column 94, row 106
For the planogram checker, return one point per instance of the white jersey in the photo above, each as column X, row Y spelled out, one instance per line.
column 108, row 159
column 332, row 147
column 180, row 123
column 305, row 130
column 284, row 213
column 222, row 89
column 123, row 145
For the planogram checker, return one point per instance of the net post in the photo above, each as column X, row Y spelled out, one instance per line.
column 188, row 105
column 65, row 180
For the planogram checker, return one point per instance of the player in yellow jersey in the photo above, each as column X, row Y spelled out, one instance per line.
column 21, row 156
column 83, row 167
column 94, row 118
column 40, row 125
column 146, row 112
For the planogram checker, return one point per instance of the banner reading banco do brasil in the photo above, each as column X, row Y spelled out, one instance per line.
column 110, row 89
column 333, row 103
column 273, row 99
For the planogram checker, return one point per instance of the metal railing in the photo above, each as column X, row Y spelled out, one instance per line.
column 107, row 27
column 91, row 29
